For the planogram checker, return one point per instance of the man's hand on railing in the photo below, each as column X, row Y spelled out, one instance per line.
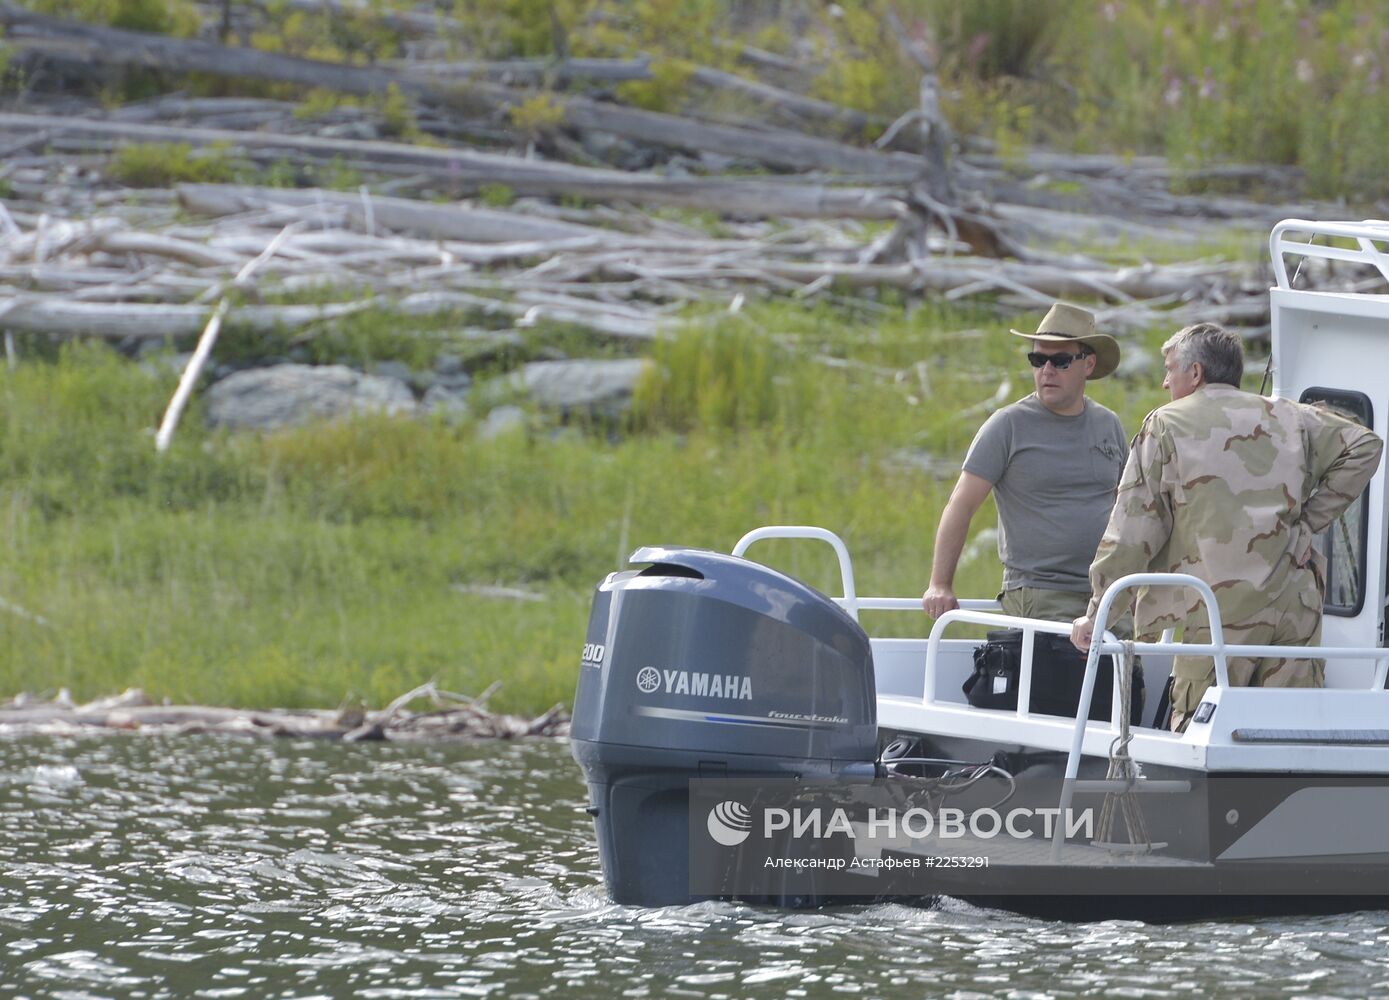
column 1082, row 631
column 938, row 600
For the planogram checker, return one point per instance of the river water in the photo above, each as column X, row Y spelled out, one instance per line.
column 140, row 865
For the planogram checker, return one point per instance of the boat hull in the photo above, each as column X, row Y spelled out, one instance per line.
column 1217, row 844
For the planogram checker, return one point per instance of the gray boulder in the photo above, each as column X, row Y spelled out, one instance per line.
column 502, row 420
column 450, row 383
column 452, row 403
column 394, row 369
column 289, row 394
column 604, row 387
column 449, row 364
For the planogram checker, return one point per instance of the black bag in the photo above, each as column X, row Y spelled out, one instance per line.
column 1058, row 670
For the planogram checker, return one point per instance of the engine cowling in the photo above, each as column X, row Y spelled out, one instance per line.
column 708, row 665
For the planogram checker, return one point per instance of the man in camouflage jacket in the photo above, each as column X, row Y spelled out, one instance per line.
column 1233, row 488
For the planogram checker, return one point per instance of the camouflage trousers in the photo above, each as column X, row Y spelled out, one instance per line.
column 1290, row 622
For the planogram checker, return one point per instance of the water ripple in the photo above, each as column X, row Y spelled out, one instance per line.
column 160, row 866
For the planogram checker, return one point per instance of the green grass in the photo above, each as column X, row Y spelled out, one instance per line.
column 161, row 164
column 297, row 567
column 1228, row 244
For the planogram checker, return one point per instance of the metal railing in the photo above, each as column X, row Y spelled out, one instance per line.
column 979, row 612
column 850, row 601
column 1366, row 234
column 1217, row 649
column 1030, row 627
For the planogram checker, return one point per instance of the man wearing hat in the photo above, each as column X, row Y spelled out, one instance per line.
column 1052, row 461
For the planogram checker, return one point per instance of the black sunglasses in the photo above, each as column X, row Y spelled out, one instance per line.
column 1058, row 361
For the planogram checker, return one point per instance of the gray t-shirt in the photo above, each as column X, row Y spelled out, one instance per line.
column 1054, row 479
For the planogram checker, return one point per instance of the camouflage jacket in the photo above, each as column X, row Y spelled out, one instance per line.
column 1233, row 488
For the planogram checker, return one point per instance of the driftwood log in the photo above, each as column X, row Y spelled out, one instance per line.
column 101, row 277
column 469, row 170
column 450, row 716
column 563, row 72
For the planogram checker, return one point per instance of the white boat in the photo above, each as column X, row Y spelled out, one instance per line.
column 707, row 678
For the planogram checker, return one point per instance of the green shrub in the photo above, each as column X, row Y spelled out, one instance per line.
column 727, row 377
column 496, row 195
column 163, row 17
column 160, row 164
column 991, row 39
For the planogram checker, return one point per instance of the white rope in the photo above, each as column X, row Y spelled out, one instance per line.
column 1121, row 768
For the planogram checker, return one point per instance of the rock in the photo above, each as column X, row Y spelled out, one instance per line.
column 290, row 394
column 164, row 364
column 226, row 369
column 484, row 348
column 455, row 383
column 449, row 364
column 394, row 369
column 452, row 403
column 502, row 420
column 604, row 387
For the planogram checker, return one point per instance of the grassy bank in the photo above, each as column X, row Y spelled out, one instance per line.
column 297, row 567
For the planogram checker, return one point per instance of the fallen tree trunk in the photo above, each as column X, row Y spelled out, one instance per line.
column 774, row 147
column 197, row 254
column 981, row 274
column 469, row 170
column 152, row 321
column 1149, row 169
column 559, row 72
column 177, row 105
column 452, row 716
column 529, row 71
column 1132, row 198
column 444, row 222
column 786, row 101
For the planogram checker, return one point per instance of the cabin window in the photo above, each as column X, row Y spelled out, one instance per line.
column 1344, row 542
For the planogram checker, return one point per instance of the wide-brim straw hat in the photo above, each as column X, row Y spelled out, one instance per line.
column 1064, row 323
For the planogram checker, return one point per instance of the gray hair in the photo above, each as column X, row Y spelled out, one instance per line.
column 1219, row 352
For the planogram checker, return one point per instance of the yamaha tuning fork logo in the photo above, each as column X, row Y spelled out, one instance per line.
column 730, row 823
column 648, row 680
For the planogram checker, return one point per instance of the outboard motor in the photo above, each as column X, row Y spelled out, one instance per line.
column 705, row 665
